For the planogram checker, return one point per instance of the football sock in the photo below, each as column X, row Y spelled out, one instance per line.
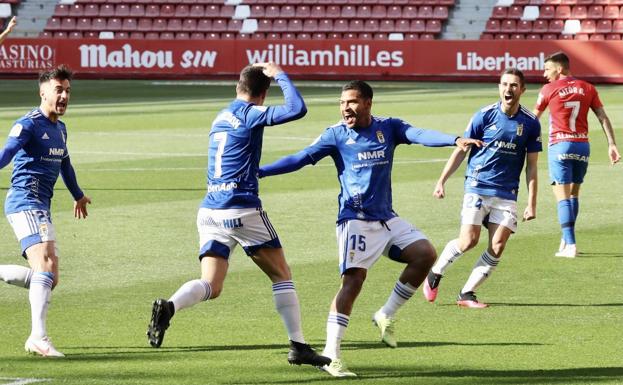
column 449, row 254
column 401, row 293
column 16, row 275
column 287, row 305
column 566, row 218
column 191, row 293
column 336, row 327
column 575, row 204
column 39, row 296
column 482, row 269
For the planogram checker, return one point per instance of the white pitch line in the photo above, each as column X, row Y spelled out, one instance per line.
column 21, row 381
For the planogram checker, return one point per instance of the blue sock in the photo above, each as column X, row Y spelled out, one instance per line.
column 575, row 203
column 566, row 218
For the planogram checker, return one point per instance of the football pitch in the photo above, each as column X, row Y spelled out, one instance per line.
column 139, row 150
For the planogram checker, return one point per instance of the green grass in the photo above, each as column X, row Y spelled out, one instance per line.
column 139, row 149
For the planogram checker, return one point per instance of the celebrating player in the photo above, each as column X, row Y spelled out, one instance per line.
column 231, row 212
column 9, row 28
column 362, row 147
column 511, row 135
column 37, row 145
column 569, row 100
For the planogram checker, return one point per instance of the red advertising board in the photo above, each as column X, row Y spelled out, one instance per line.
column 600, row 61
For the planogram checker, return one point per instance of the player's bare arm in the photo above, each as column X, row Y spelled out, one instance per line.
column 9, row 28
column 451, row 166
column 465, row 143
column 613, row 151
column 532, row 183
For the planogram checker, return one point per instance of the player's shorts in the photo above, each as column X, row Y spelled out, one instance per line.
column 361, row 243
column 220, row 230
column 568, row 162
column 482, row 209
column 32, row 227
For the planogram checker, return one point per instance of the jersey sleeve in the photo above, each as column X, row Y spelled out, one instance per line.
column 292, row 109
column 22, row 131
column 534, row 143
column 542, row 100
column 595, row 101
column 406, row 133
column 475, row 127
column 323, row 146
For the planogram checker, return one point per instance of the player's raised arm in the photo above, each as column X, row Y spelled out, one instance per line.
column 294, row 105
column 289, row 163
column 9, row 28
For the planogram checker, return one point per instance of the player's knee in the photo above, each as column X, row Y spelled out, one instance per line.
column 217, row 288
column 497, row 248
column 467, row 243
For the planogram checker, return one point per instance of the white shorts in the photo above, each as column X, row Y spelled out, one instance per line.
column 32, row 227
column 361, row 243
column 483, row 209
column 220, row 230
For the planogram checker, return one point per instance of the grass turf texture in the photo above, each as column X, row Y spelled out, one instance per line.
column 139, row 149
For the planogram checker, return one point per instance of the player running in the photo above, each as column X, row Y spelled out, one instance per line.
column 37, row 144
column 569, row 100
column 231, row 212
column 362, row 148
column 512, row 136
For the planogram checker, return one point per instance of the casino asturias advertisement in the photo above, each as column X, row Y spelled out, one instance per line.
column 600, row 61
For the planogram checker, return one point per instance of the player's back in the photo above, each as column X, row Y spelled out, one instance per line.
column 569, row 100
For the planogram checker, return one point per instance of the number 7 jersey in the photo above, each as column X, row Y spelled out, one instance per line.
column 568, row 99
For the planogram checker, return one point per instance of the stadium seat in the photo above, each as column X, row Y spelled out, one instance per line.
column 136, row 10
column 83, row 24
column 508, row 26
column 167, row 10
column 53, row 24
column 425, row 12
column 611, row 12
column 394, row 12
column 234, row 25
column 492, row 26
column 271, row 11
column 350, row 36
column 227, row 11
column 182, row 36
column 579, row 12
column 419, row 26
column 257, row 11
column 366, row 36
column 76, row 10
column 371, row 25
column 204, row 25
column 386, row 26
column 568, row 2
column 334, row 36
column 332, row 11
column 440, row 12
column 287, row 11
column 412, row 36
column 486, row 36
column 563, row 12
column 603, row 26
column 501, row 36
column 380, row 36
column 517, row 36
column 597, row 36
column 402, row 25
column 325, row 25
column 556, row 26
column 549, row 36
column 588, row 26
column 427, row 36
column 144, row 24
column 189, row 25
column 61, row 10
column 357, row 25
column 159, row 25
column 182, row 11
column 581, row 36
column 197, row 11
column 409, row 12
column 348, row 11
column 212, row 11
column 515, row 12
column 613, row 36
column 152, row 36
column 524, row 26
column 113, row 24
column 122, row 10
column 219, row 25
column 295, row 25
column 167, row 36
column 310, row 25
column 302, row 11
column 303, row 36
column 129, row 24
column 617, row 26
column 433, row 26
column 533, row 36
column 499, row 12
column 340, row 25
column 151, row 10
column 540, row 26
column 60, row 35
column 137, row 35
column 68, row 24
column 547, row 12
column 107, row 10
column 98, row 24
column 319, row 36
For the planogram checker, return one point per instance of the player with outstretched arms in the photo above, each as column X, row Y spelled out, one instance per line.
column 37, row 144
column 362, row 148
column 569, row 99
column 231, row 212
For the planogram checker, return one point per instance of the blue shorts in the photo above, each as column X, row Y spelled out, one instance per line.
column 568, row 162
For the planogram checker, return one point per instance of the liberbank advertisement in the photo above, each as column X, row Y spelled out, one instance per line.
column 600, row 61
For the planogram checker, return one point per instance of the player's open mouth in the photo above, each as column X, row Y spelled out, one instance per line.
column 508, row 97
column 349, row 119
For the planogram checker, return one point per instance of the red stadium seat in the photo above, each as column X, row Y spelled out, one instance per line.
column 144, row 24
column 302, row 11
column 581, row 36
column 303, row 36
column 617, row 26
column 371, row 25
column 295, row 25
column 167, row 10
column 76, row 10
column 348, row 11
column 98, row 24
column 540, row 26
column 204, row 25
column 563, row 12
column 234, row 25
column 524, row 26
column 394, row 12
column 613, row 36
column 425, row 12
column 549, row 36
column 409, row 12
column 60, row 35
column 380, row 36
column 91, row 10
column 419, row 26
column 182, row 36
column 402, row 25
column 603, row 26
column 83, row 24
column 499, row 12
column 227, row 11
column 174, row 25
column 569, row 2
column 61, row 10
column 579, row 12
column 310, row 25
column 366, row 36
column 129, row 24
column 68, row 24
column 137, row 35
column 427, row 36
column 107, row 10
column 189, row 25
column 53, row 24
column 588, row 26
column 152, row 36
column 533, row 36
column 433, row 26
column 501, row 36
column 212, row 11
column 325, row 25
column 340, row 25
column 272, row 11
column 356, row 25
column 333, row 11
column 136, row 10
column 182, row 11
column 318, row 11
column 508, row 26
column 151, row 10
column 287, row 11
column 518, row 36
column 386, row 26
column 595, row 12
column 547, row 12
column 611, row 12
column 113, row 24
column 159, row 25
column 597, row 36
column 197, row 11
column 257, row 11
column 319, row 36
column 167, row 36
column 492, row 26
column 219, row 25
column 440, row 12
column 122, row 10
column 555, row 26
column 515, row 12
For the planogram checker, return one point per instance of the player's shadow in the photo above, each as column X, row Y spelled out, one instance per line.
column 555, row 304
column 599, row 255
column 355, row 345
column 475, row 376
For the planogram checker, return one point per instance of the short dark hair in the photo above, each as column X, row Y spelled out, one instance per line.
column 364, row 89
column 252, row 81
column 62, row 72
column 559, row 58
column 516, row 72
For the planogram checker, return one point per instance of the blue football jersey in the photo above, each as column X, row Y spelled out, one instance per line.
column 37, row 164
column 364, row 159
column 494, row 169
column 235, row 147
